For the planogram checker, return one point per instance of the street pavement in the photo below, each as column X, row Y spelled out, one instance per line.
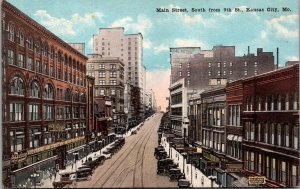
column 134, row 166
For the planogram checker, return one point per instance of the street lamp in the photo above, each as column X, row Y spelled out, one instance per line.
column 212, row 179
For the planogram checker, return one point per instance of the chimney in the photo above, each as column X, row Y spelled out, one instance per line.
column 248, row 50
column 277, row 54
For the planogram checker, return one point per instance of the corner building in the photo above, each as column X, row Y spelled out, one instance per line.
column 44, row 97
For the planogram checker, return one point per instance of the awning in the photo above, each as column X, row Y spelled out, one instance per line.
column 235, row 137
column 240, row 139
column 229, row 137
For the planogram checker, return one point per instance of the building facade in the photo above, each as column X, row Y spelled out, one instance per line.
column 112, row 42
column 44, row 93
column 109, row 81
column 271, row 127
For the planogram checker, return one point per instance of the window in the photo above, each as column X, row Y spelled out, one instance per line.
column 16, row 86
column 267, row 167
column 259, row 164
column 16, row 111
column 279, row 102
column 38, row 66
column 47, row 136
column 21, row 61
column 17, row 140
column 59, row 73
column 45, row 51
column 30, row 64
column 287, row 102
column 219, row 64
column 48, row 109
column 266, row 133
column 188, row 82
column 51, row 71
column 245, row 72
column 252, row 128
column 258, row 132
column 295, row 101
column 209, row 64
column 255, row 64
column 209, row 73
column 51, row 53
column 180, row 73
column 230, row 72
column 234, row 115
column 189, row 65
column 21, row 38
column 287, row 136
column 294, row 175
column 76, row 96
column 37, row 47
column 266, row 103
column 68, row 112
column 180, row 65
column 273, row 169
column 45, row 68
column 76, row 112
column 113, row 74
column 245, row 64
column 272, row 133
column 112, row 66
column 224, row 72
column 252, row 161
column 296, row 137
column 224, row 64
column 219, row 73
column 113, row 82
column 34, row 138
column 278, row 134
column 272, row 102
column 259, row 104
column 48, row 91
column 10, row 57
column 34, row 89
column 247, row 160
column 101, row 66
column 11, row 32
column 82, row 112
column 113, row 92
column 101, row 82
column 102, row 92
column 33, row 110
column 283, row 172
column 188, row 73
column 30, row 43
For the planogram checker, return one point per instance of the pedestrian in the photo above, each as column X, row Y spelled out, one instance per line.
column 202, row 180
column 55, row 175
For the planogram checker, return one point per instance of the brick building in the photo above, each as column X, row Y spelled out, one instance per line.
column 271, row 126
column 44, row 96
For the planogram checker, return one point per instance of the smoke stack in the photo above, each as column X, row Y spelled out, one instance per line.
column 248, row 50
column 277, row 54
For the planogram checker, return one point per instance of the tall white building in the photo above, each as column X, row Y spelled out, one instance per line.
column 113, row 42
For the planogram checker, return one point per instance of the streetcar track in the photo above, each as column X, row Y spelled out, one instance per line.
column 129, row 151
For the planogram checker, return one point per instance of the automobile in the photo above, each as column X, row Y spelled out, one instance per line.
column 175, row 174
column 107, row 154
column 84, row 174
column 92, row 164
column 133, row 132
column 158, row 148
column 162, row 154
column 163, row 165
column 183, row 183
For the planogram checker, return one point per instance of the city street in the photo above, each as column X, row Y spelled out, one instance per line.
column 134, row 165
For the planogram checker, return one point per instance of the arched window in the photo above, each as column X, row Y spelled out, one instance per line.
column 51, row 53
column 21, row 38
column 49, row 93
column 68, row 95
column 59, row 57
column 11, row 32
column 45, row 50
column 34, row 89
column 30, row 43
column 76, row 96
column 38, row 47
column 16, row 86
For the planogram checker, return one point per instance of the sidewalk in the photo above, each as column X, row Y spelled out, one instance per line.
column 47, row 183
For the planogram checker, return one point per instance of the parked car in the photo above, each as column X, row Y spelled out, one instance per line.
column 133, row 132
column 183, row 183
column 175, row 174
column 107, row 154
column 162, row 154
column 84, row 174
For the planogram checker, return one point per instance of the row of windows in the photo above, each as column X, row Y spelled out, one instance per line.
column 17, row 137
column 214, row 140
column 40, row 47
column 17, row 112
column 273, row 102
column 111, row 82
column 16, row 87
column 102, row 66
column 230, row 64
column 272, row 168
column 273, row 133
column 43, row 68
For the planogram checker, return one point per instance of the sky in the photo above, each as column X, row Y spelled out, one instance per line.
column 77, row 20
